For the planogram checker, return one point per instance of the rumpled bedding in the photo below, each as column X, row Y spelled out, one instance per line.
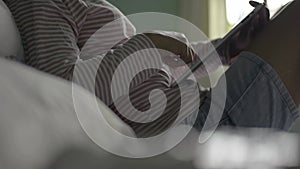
column 38, row 119
column 39, row 128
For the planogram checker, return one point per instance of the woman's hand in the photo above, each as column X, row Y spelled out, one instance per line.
column 171, row 44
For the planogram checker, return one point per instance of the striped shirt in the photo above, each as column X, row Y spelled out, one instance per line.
column 86, row 41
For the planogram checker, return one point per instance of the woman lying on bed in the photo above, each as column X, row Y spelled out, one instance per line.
column 55, row 32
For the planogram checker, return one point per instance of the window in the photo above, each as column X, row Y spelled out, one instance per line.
column 236, row 10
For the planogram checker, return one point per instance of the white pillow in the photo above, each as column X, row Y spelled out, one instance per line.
column 11, row 44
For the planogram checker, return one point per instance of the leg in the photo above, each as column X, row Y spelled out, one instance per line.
column 56, row 34
column 256, row 97
column 178, row 106
column 278, row 45
column 47, row 32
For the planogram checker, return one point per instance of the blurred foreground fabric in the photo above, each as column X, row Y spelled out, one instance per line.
column 39, row 128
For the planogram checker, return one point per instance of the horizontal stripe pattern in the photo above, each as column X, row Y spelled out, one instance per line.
column 61, row 34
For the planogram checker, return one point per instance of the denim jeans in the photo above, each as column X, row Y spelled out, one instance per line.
column 256, row 97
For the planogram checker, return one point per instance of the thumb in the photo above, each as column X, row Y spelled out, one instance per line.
column 254, row 3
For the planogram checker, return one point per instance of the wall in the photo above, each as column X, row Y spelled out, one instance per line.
column 195, row 11
column 136, row 6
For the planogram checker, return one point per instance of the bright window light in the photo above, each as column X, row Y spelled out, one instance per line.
column 236, row 10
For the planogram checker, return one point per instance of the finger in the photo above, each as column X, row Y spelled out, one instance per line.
column 185, row 51
column 173, row 61
column 191, row 54
column 254, row 3
column 264, row 12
